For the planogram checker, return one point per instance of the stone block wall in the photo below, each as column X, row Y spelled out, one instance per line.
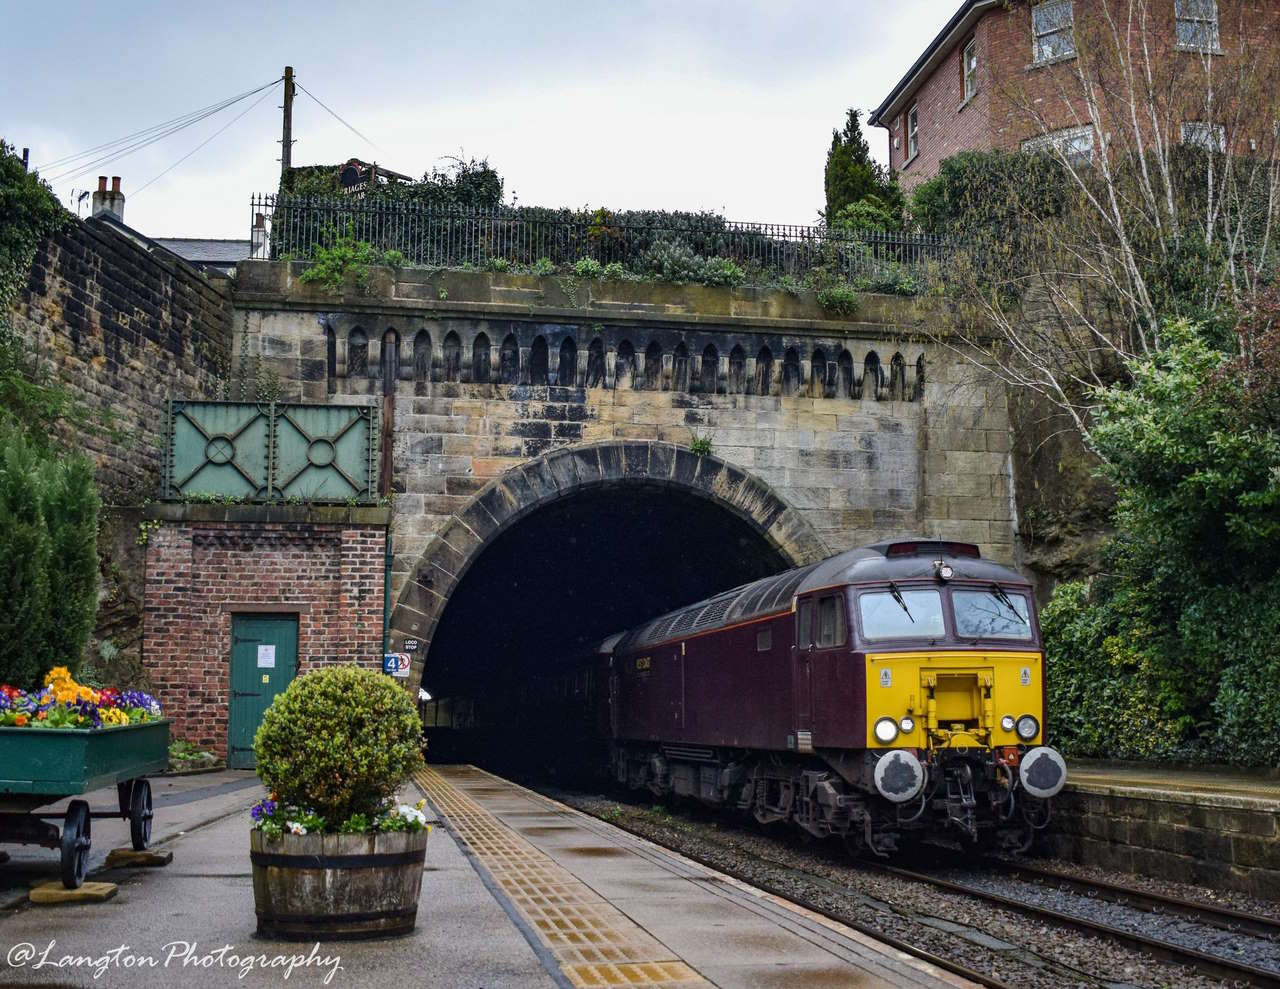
column 124, row 328
column 1221, row 841
column 206, row 563
column 855, row 470
column 863, row 429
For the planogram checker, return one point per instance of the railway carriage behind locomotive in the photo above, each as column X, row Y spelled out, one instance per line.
column 889, row 692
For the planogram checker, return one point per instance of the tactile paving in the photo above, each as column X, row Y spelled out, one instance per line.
column 594, row 943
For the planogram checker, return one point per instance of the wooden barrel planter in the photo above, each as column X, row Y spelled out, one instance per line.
column 318, row 887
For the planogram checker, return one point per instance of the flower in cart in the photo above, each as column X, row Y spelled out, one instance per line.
column 59, row 682
column 112, row 716
column 87, row 714
column 20, row 720
column 295, row 828
column 108, row 697
column 140, row 700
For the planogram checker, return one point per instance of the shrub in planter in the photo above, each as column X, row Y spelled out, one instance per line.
column 333, row 855
column 339, row 741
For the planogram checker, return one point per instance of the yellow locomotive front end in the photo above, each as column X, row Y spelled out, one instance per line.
column 955, row 702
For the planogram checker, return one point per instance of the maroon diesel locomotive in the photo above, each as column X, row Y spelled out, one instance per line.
column 889, row 692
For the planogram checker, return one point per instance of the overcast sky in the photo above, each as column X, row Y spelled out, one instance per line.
column 677, row 105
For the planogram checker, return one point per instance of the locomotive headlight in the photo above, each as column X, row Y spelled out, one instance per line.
column 1007, row 723
column 886, row 730
column 907, row 724
column 1028, row 727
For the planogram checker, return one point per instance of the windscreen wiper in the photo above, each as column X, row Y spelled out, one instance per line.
column 897, row 596
column 998, row 593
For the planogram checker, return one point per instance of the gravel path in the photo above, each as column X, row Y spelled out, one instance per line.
column 1001, row 943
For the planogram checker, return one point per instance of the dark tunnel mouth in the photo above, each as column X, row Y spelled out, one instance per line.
column 551, row 585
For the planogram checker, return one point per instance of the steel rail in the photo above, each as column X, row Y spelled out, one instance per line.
column 1214, row 966
column 1210, row 914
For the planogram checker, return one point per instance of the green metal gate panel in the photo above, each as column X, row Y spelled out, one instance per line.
column 326, row 452
column 271, row 452
column 264, row 659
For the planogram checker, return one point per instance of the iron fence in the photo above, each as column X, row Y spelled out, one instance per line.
column 289, row 227
column 270, row 452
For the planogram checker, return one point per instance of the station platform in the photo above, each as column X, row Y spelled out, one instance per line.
column 602, row 907
column 1202, row 785
column 1202, row 826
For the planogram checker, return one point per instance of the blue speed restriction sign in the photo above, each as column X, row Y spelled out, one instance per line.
column 396, row 664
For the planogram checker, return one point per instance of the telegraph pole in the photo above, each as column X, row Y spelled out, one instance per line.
column 286, row 141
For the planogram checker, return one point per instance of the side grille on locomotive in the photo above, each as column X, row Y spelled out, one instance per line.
column 688, row 753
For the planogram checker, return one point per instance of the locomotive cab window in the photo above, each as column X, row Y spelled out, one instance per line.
column 764, row 640
column 991, row 614
column 831, row 623
column 804, row 624
column 900, row 614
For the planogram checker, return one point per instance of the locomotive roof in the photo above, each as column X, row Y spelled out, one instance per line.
column 910, row 558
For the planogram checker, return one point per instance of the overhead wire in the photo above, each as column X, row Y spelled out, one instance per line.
column 335, row 115
column 66, row 159
column 123, row 147
column 75, row 166
column 242, row 113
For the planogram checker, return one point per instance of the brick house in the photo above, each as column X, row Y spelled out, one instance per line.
column 1005, row 75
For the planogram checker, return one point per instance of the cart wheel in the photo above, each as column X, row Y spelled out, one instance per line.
column 140, row 814
column 75, row 844
column 124, row 791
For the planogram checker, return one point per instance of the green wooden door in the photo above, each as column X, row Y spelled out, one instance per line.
column 264, row 658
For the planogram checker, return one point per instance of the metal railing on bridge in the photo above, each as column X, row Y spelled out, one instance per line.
column 289, row 227
column 270, row 452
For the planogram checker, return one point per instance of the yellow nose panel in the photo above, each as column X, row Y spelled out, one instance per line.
column 956, row 698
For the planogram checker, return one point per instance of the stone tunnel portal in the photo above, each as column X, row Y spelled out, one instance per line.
column 540, row 594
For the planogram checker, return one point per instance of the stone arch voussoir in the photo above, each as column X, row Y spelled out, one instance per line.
column 569, row 470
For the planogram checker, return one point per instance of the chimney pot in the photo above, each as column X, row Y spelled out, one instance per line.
column 109, row 202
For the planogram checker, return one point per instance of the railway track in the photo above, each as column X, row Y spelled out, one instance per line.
column 1208, row 914
column 1209, row 964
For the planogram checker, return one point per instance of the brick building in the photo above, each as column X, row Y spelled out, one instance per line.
column 1007, row 75
column 305, row 582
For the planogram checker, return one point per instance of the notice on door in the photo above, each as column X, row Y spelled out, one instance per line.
column 266, row 657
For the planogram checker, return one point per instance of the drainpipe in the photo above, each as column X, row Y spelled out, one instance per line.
column 386, row 592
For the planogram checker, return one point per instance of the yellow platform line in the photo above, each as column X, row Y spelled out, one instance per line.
column 594, row 943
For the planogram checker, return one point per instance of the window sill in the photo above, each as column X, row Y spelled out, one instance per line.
column 1050, row 61
column 1198, row 50
column 907, row 164
column 966, row 102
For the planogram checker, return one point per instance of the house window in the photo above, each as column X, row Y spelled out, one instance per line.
column 913, row 132
column 1075, row 144
column 969, row 64
column 1197, row 24
column 1053, row 34
column 1200, row 134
